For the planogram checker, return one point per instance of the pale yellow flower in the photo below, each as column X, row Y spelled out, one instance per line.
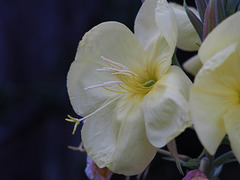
column 192, row 65
column 125, row 86
column 214, row 97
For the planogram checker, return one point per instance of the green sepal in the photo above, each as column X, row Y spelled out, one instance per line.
column 209, row 19
column 225, row 141
column 220, row 11
column 175, row 60
column 192, row 164
column 223, row 159
column 201, row 7
column 197, row 24
column 231, row 7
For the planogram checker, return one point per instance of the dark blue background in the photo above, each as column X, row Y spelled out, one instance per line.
column 38, row 42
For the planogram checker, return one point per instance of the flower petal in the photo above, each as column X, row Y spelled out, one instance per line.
column 155, row 18
column 232, row 123
column 226, row 33
column 188, row 39
column 214, row 91
column 111, row 40
column 156, row 29
column 116, row 137
column 192, row 65
column 145, row 26
column 165, row 107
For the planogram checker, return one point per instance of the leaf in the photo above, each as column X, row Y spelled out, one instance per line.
column 192, row 164
column 230, row 161
column 225, row 140
column 209, row 19
column 201, row 6
column 224, row 2
column 223, row 158
column 220, row 11
column 231, row 6
column 197, row 24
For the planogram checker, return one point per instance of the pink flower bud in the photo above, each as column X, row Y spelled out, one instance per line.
column 195, row 175
column 94, row 172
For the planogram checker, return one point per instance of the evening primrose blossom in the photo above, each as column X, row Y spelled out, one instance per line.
column 123, row 84
column 214, row 97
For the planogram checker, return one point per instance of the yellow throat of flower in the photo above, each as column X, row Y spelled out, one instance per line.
column 127, row 80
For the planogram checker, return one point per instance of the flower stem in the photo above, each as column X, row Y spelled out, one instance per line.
column 167, row 153
column 209, row 167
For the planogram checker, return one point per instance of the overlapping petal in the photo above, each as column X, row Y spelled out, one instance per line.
column 155, row 27
column 111, row 40
column 232, row 123
column 165, row 107
column 226, row 33
column 215, row 90
column 188, row 39
column 145, row 27
column 192, row 65
column 155, row 18
column 116, row 137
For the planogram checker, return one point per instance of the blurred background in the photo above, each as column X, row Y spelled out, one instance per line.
column 38, row 42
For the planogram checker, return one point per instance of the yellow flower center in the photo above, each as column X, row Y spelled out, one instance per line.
column 127, row 80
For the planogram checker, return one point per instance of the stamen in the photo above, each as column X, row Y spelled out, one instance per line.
column 121, row 73
column 103, row 69
column 108, row 69
column 113, row 64
column 125, row 76
column 126, row 71
column 105, row 84
column 77, row 121
column 114, row 90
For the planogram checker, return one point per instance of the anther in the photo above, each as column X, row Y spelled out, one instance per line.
column 113, row 64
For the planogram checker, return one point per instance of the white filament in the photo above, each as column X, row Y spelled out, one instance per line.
column 105, row 84
column 116, row 69
column 94, row 112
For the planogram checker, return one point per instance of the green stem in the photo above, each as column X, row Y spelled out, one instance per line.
column 212, row 167
column 167, row 153
column 209, row 166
